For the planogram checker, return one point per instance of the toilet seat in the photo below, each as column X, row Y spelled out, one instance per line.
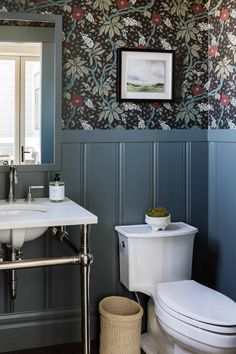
column 198, row 306
column 190, row 308
column 198, row 324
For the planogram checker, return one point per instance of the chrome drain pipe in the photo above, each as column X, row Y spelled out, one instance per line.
column 13, row 277
column 62, row 235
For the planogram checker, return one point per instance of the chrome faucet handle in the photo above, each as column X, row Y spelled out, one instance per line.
column 29, row 198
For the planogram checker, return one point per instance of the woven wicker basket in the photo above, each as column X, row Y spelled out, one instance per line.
column 120, row 320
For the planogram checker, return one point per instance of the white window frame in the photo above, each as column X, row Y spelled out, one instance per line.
column 16, row 135
column 19, row 104
column 22, row 145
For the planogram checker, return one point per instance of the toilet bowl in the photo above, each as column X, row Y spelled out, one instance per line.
column 198, row 319
column 184, row 317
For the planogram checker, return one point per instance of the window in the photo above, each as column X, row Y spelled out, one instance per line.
column 20, row 103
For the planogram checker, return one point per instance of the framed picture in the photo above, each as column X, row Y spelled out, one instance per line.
column 145, row 75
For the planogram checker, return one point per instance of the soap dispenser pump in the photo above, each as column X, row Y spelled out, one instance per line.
column 57, row 189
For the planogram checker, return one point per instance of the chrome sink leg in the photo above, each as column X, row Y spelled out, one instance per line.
column 85, row 261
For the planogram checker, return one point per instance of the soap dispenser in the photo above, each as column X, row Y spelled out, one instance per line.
column 57, row 189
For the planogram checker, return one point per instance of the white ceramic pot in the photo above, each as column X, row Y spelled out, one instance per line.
column 157, row 223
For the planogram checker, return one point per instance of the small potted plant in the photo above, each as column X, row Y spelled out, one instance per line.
column 157, row 218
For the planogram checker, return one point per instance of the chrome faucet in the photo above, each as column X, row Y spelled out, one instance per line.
column 29, row 198
column 13, row 179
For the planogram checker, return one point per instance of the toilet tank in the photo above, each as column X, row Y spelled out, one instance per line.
column 148, row 257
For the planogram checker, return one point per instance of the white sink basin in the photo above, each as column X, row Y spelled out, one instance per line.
column 17, row 209
column 21, row 221
column 15, row 237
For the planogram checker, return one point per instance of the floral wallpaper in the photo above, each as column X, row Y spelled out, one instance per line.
column 92, row 32
column 222, row 64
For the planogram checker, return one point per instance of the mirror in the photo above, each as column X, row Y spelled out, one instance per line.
column 30, row 89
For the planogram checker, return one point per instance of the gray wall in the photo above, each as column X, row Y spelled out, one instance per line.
column 117, row 176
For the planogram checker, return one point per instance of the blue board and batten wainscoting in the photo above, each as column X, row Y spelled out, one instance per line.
column 118, row 175
column 222, row 203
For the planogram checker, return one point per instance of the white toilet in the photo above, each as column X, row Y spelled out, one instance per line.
column 183, row 315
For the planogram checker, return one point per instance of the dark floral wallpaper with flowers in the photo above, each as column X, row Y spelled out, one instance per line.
column 92, row 32
column 222, row 64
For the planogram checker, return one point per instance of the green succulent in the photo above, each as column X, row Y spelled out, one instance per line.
column 158, row 212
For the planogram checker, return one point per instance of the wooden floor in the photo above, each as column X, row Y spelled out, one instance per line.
column 74, row 348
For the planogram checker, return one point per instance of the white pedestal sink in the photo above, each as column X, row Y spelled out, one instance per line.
column 23, row 221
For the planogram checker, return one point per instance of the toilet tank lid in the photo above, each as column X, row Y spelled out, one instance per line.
column 196, row 301
column 174, row 229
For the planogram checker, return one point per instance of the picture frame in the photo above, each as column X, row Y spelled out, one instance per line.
column 145, row 75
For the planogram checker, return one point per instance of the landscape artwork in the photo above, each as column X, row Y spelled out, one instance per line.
column 145, row 75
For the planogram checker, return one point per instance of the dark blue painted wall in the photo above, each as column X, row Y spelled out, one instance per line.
column 222, row 214
column 118, row 175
